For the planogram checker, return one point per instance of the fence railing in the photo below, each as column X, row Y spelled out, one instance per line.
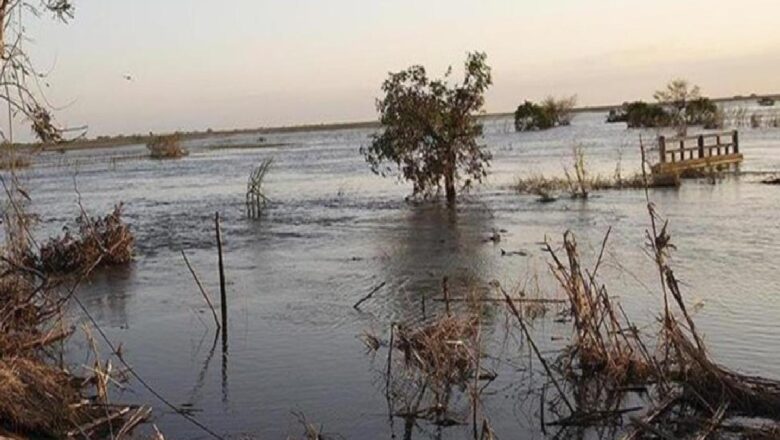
column 680, row 149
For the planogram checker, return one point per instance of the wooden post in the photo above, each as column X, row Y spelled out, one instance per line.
column 682, row 149
column 701, row 146
column 446, row 293
column 662, row 148
column 222, row 294
column 717, row 138
column 735, row 139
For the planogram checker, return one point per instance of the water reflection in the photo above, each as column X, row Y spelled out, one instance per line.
column 107, row 293
column 432, row 243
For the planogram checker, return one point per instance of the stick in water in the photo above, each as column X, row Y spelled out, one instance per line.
column 370, row 294
column 202, row 290
column 222, row 294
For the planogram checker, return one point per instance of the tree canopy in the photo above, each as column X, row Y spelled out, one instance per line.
column 430, row 130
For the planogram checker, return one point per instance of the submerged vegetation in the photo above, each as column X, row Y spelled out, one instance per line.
column 105, row 241
column 578, row 182
column 429, row 128
column 550, row 113
column 611, row 375
column 678, row 105
column 166, row 147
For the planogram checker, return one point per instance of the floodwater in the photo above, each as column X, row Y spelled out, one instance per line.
column 334, row 230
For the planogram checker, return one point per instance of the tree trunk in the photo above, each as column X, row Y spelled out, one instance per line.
column 449, row 179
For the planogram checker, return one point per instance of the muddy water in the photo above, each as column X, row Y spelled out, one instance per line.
column 334, row 231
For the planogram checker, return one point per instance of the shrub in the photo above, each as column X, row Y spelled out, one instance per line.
column 166, row 147
column 640, row 114
column 530, row 116
column 550, row 113
column 702, row 111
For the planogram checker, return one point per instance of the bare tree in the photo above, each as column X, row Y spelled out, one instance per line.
column 19, row 80
column 678, row 94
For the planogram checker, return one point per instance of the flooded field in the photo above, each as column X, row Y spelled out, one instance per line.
column 333, row 231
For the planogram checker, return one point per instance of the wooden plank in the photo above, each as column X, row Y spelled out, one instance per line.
column 713, row 161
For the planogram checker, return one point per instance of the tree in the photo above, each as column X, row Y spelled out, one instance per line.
column 550, row 113
column 677, row 95
column 430, row 130
column 18, row 76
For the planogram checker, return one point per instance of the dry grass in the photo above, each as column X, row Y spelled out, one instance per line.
column 443, row 350
column 36, row 397
column 599, row 345
column 548, row 188
column 692, row 394
column 166, row 147
column 105, row 241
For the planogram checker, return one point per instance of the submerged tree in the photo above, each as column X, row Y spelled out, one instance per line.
column 552, row 112
column 430, row 130
column 678, row 95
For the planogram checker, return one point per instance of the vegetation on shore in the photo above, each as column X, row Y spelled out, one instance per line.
column 40, row 397
column 429, row 129
column 13, row 160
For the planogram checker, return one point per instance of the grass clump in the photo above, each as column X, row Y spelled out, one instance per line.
column 578, row 182
column 166, row 147
column 36, row 397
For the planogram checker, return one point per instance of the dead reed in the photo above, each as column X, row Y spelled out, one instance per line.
column 255, row 197
column 105, row 241
column 40, row 398
column 166, row 147
column 688, row 393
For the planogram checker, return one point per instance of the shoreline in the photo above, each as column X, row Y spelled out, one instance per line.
column 127, row 140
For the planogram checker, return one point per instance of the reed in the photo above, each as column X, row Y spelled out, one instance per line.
column 255, row 196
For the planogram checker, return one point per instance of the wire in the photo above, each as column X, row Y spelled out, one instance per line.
column 140, row 380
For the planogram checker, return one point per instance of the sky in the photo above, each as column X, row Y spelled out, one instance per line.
column 198, row 64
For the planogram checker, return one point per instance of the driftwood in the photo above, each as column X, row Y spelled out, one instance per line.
column 370, row 294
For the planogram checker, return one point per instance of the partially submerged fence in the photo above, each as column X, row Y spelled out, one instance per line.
column 679, row 154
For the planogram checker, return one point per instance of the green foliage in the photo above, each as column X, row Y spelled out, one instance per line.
column 429, row 128
column 530, row 116
column 550, row 113
column 703, row 111
column 640, row 114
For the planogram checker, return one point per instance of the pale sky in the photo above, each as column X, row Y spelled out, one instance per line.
column 249, row 63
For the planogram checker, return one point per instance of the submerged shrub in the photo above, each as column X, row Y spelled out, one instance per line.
column 166, row 147
column 99, row 241
column 703, row 111
column 640, row 114
column 550, row 113
column 530, row 116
